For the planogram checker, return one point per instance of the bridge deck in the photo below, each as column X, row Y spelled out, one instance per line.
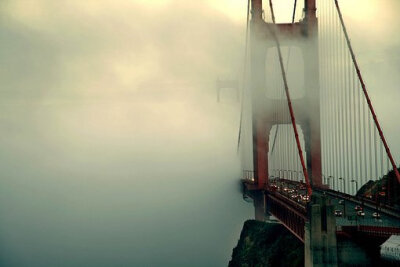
column 291, row 210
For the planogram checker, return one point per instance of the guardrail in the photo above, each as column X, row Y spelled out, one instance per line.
column 379, row 231
column 248, row 175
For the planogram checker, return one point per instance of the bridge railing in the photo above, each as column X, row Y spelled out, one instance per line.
column 248, row 175
column 378, row 231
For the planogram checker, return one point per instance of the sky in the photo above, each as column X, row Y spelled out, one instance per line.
column 114, row 149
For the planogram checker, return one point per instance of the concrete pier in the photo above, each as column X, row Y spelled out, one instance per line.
column 320, row 244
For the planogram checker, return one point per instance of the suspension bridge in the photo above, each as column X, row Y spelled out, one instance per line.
column 309, row 135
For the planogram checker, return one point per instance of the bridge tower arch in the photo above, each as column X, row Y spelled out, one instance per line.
column 304, row 35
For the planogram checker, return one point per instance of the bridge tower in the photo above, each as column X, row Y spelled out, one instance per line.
column 303, row 35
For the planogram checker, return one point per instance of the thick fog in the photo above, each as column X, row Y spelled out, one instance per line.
column 114, row 150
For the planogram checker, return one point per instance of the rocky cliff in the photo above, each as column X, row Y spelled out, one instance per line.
column 264, row 244
column 384, row 190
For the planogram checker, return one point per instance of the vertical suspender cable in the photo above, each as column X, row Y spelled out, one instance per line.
column 325, row 104
column 359, row 132
column 382, row 160
column 356, row 130
column 337, row 85
column 365, row 141
column 323, row 94
column 329, row 59
column 353, row 128
column 387, row 164
column 350, row 173
column 366, row 94
column 341, row 110
column 345, row 131
column 281, row 130
column 332, row 126
column 347, row 117
column 376, row 155
column 370, row 147
column 331, row 93
column 351, row 125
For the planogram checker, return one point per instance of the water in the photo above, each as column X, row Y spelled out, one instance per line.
column 99, row 183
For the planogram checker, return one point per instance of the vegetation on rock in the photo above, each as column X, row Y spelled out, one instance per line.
column 385, row 189
column 264, row 244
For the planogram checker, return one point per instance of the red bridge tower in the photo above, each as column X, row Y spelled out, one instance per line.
column 303, row 35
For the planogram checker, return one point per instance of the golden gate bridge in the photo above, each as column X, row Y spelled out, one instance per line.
column 309, row 135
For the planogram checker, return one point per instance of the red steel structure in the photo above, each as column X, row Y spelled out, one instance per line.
column 308, row 213
column 304, row 35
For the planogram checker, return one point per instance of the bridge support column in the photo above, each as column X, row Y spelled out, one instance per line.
column 312, row 139
column 320, row 245
column 260, row 153
column 259, row 206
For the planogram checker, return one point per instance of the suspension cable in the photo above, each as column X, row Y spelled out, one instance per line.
column 294, row 10
column 389, row 154
column 287, row 67
column 309, row 190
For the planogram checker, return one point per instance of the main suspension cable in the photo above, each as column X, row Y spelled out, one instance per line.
column 287, row 67
column 272, row 31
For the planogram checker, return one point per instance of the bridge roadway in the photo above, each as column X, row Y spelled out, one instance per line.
column 287, row 201
column 346, row 206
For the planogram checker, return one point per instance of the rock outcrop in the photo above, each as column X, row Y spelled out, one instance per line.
column 265, row 244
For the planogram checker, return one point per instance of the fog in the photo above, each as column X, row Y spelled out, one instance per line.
column 115, row 151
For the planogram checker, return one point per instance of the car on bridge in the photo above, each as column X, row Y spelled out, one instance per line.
column 376, row 215
column 361, row 213
column 358, row 208
column 338, row 213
